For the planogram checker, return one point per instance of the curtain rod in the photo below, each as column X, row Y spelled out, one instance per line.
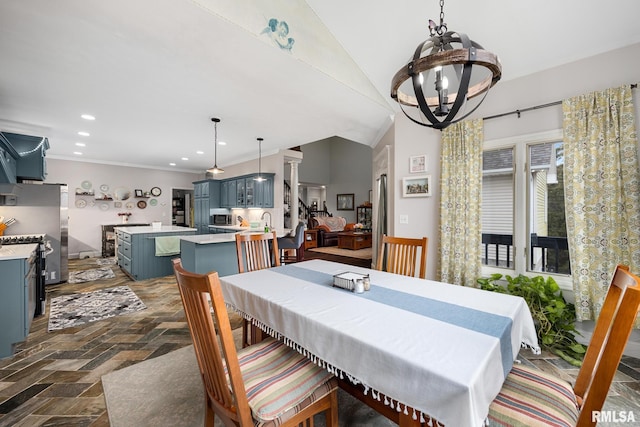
column 537, row 107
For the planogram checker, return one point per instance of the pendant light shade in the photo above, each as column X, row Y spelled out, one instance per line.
column 215, row 169
column 259, row 178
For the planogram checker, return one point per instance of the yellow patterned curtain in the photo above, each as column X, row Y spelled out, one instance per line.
column 460, row 259
column 602, row 192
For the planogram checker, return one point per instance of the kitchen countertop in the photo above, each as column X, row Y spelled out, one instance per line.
column 150, row 229
column 205, row 239
column 8, row 252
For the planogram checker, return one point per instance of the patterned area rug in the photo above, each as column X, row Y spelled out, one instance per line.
column 106, row 261
column 67, row 311
column 90, row 275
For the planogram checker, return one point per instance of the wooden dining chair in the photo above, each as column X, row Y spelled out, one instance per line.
column 399, row 255
column 532, row 397
column 245, row 387
column 255, row 252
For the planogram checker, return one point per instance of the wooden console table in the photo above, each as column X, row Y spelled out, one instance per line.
column 354, row 240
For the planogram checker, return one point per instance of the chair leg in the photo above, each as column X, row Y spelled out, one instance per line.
column 210, row 415
column 331, row 414
column 246, row 330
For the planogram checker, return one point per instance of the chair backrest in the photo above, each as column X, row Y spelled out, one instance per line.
column 299, row 236
column 399, row 255
column 226, row 395
column 607, row 344
column 257, row 251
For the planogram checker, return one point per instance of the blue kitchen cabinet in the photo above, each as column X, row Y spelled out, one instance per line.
column 137, row 251
column 206, row 197
column 17, row 302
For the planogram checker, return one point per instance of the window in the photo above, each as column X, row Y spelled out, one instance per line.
column 523, row 221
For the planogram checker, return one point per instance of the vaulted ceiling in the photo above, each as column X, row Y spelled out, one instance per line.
column 153, row 72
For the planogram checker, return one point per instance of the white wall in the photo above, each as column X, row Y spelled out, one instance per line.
column 85, row 232
column 611, row 69
column 423, row 213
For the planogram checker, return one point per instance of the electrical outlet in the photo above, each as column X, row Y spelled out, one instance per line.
column 404, row 219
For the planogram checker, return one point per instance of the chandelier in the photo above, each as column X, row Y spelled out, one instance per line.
column 460, row 71
column 215, row 169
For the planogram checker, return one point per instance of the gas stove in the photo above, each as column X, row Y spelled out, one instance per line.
column 22, row 239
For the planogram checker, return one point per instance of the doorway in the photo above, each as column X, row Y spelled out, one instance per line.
column 182, row 207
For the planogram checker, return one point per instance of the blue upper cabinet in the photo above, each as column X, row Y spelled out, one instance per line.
column 238, row 192
column 22, row 157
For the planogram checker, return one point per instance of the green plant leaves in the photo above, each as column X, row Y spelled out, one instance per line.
column 553, row 317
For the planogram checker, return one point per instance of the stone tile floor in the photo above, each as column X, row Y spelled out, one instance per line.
column 54, row 379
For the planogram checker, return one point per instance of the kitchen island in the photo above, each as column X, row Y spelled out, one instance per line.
column 17, row 295
column 214, row 252
column 146, row 252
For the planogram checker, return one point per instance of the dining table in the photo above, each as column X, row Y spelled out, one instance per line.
column 420, row 349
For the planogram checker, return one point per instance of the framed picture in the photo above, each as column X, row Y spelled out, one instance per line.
column 418, row 164
column 139, row 193
column 345, row 202
column 416, row 186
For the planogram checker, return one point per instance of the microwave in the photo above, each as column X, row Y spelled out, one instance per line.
column 221, row 219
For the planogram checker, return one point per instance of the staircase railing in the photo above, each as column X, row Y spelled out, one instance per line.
column 303, row 209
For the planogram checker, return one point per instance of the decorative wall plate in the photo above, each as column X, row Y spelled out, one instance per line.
column 142, row 204
column 117, row 204
column 156, row 191
column 153, row 202
column 104, row 188
column 104, row 206
column 121, row 193
column 129, row 205
column 86, row 185
column 81, row 203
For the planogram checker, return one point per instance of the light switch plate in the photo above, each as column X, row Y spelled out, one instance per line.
column 404, row 219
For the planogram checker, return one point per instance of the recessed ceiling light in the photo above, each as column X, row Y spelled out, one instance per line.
column 81, row 144
column 199, row 152
column 88, row 117
column 185, row 158
column 222, row 143
column 77, row 153
column 172, row 164
column 81, row 133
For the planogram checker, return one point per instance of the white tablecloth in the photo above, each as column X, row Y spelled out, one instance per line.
column 439, row 348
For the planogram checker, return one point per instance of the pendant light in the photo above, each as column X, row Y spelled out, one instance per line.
column 215, row 169
column 446, row 72
column 259, row 178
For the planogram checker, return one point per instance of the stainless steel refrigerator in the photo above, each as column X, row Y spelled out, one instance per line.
column 42, row 209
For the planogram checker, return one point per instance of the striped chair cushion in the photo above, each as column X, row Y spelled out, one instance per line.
column 280, row 382
column 530, row 397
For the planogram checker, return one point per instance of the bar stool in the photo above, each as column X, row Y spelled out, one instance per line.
column 295, row 242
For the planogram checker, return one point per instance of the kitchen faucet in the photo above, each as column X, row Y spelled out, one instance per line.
column 266, row 213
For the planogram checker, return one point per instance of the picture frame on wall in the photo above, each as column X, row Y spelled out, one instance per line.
column 345, row 202
column 418, row 164
column 139, row 193
column 416, row 186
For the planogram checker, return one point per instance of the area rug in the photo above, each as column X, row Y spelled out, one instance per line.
column 106, row 261
column 365, row 253
column 91, row 275
column 167, row 391
column 67, row 311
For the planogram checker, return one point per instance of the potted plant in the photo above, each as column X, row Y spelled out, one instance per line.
column 554, row 318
